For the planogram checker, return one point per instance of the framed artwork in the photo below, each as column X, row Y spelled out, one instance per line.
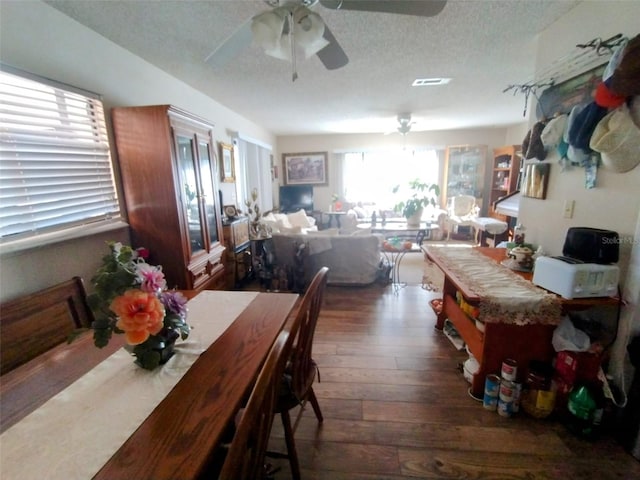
column 305, row 168
column 226, row 163
column 230, row 211
column 561, row 98
column 536, row 178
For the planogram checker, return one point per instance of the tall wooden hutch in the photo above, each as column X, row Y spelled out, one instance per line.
column 504, row 175
column 167, row 162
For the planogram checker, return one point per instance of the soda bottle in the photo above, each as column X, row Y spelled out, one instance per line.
column 581, row 405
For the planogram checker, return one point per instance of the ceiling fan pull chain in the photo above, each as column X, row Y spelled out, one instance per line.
column 294, row 67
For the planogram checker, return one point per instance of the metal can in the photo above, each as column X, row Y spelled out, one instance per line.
column 505, row 407
column 491, row 391
column 509, row 369
column 506, row 392
column 492, row 385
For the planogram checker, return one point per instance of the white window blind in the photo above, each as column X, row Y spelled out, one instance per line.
column 55, row 164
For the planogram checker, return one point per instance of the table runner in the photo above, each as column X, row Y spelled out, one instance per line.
column 506, row 296
column 74, row 433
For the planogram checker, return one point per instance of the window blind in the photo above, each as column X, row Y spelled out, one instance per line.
column 55, row 163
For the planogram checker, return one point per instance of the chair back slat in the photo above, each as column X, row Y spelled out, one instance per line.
column 301, row 364
column 245, row 456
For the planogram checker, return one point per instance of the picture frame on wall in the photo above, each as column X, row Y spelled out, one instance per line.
column 536, row 179
column 310, row 168
column 227, row 168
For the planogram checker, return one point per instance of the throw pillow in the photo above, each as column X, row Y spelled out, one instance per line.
column 299, row 219
column 282, row 220
column 271, row 221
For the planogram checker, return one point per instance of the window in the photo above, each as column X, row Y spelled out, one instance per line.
column 55, row 166
column 369, row 177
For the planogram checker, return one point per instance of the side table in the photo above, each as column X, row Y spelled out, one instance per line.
column 236, row 238
column 394, row 255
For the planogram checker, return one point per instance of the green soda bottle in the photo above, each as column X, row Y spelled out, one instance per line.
column 582, row 406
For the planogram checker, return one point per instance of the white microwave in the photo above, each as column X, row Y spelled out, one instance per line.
column 576, row 280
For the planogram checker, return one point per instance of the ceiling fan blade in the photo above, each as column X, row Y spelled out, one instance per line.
column 332, row 56
column 420, row 8
column 231, row 47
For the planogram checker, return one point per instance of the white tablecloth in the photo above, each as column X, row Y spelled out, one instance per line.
column 74, row 434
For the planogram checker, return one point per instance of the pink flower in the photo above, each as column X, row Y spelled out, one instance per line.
column 140, row 314
column 151, row 278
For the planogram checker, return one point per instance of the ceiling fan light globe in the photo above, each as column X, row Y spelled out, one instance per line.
column 309, row 34
column 267, row 29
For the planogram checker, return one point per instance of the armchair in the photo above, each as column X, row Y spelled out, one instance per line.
column 462, row 210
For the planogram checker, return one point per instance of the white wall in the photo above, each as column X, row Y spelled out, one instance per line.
column 492, row 137
column 615, row 202
column 41, row 40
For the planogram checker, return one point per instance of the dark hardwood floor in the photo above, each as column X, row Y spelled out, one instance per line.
column 396, row 406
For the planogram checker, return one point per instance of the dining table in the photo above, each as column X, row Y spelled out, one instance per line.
column 79, row 412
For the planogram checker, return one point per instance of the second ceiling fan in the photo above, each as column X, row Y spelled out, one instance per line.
column 292, row 25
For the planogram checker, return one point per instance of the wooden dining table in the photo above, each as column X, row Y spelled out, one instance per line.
column 180, row 436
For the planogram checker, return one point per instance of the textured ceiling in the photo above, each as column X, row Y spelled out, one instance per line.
column 482, row 45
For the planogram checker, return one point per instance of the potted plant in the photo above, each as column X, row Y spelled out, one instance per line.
column 422, row 195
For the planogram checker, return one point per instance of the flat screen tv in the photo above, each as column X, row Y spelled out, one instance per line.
column 295, row 197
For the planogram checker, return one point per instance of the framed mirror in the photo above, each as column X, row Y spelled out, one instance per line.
column 226, row 163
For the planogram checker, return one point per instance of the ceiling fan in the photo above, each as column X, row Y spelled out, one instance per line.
column 291, row 25
column 404, row 124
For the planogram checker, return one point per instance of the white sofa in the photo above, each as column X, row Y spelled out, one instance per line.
column 353, row 259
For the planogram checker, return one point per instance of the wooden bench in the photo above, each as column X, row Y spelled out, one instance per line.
column 36, row 323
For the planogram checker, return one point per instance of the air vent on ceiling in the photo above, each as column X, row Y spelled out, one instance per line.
column 427, row 82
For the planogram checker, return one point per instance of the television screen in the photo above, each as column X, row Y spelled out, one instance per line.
column 295, row 197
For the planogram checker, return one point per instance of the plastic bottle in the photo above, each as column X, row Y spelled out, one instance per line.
column 582, row 407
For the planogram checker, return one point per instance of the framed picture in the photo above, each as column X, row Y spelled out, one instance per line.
column 226, row 163
column 536, row 178
column 230, row 211
column 305, row 168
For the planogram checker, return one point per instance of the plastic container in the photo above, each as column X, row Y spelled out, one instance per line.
column 585, row 407
column 538, row 397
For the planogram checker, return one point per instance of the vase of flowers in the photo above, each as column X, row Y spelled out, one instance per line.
column 131, row 298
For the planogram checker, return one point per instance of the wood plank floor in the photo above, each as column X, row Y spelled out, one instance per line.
column 396, row 406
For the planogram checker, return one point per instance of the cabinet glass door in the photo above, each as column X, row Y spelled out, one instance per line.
column 466, row 171
column 208, row 190
column 190, row 192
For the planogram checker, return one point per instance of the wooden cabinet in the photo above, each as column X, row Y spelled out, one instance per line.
column 504, row 175
column 498, row 341
column 238, row 257
column 465, row 173
column 167, row 163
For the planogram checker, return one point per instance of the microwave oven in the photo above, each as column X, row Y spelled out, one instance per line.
column 576, row 280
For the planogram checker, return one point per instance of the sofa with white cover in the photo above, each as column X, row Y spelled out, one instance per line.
column 352, row 259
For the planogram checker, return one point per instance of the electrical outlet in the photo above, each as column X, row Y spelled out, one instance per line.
column 568, row 208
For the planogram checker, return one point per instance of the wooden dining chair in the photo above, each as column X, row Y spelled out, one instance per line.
column 301, row 370
column 245, row 455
